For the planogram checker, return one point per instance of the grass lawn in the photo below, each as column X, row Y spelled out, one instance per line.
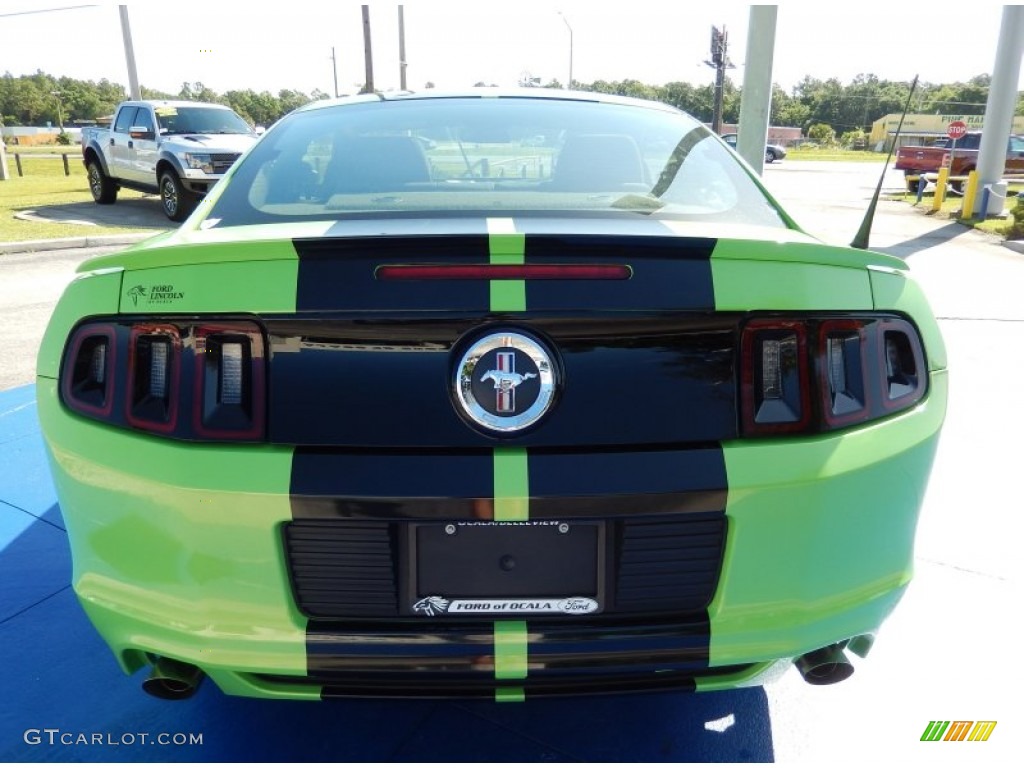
column 952, row 205
column 845, row 155
column 44, row 183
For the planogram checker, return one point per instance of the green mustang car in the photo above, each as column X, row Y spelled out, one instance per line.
column 500, row 394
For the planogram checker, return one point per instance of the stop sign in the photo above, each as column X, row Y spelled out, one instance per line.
column 956, row 130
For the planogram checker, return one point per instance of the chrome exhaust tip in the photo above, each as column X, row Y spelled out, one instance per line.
column 824, row 666
column 172, row 680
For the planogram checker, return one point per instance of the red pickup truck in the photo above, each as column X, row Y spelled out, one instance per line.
column 914, row 161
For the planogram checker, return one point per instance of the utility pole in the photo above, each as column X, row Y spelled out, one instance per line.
column 129, row 54
column 334, row 64
column 756, row 104
column 368, row 88
column 401, row 47
column 719, row 62
column 999, row 108
column 60, row 115
column 569, row 27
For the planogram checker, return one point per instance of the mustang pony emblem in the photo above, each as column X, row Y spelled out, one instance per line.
column 432, row 606
column 506, row 380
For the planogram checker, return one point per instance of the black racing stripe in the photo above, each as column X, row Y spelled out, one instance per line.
column 614, row 473
column 564, row 507
column 430, row 484
column 334, row 647
column 339, row 273
column 420, row 658
column 669, row 273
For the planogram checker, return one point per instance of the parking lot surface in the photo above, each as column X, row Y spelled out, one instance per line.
column 941, row 656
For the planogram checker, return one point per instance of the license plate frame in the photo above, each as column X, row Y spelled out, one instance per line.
column 491, row 568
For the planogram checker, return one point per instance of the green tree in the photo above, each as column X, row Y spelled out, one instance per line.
column 822, row 133
column 684, row 96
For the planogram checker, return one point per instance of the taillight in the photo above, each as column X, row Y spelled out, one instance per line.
column 154, row 376
column 775, row 388
column 843, row 371
column 87, row 383
column 809, row 375
column 903, row 365
column 229, row 382
column 144, row 374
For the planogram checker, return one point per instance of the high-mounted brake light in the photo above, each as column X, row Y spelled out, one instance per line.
column 816, row 374
column 504, row 272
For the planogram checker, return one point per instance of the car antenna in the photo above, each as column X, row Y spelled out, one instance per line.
column 860, row 240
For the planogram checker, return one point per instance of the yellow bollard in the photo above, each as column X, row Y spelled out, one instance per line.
column 970, row 194
column 940, row 189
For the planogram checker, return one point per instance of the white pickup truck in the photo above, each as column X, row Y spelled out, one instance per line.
column 178, row 149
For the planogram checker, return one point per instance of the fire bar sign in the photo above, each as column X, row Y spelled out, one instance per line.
column 956, row 129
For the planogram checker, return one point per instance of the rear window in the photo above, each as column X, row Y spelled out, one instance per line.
column 489, row 156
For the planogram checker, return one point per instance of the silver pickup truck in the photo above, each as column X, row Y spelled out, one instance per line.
column 178, row 149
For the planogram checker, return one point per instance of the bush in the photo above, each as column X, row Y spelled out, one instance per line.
column 64, row 138
column 1015, row 229
column 854, row 139
column 823, row 134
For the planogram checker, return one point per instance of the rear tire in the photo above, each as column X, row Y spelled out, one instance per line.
column 176, row 200
column 102, row 187
column 769, row 156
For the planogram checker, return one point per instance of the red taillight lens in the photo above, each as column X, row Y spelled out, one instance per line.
column 504, row 272
column 843, row 379
column 154, row 377
column 812, row 374
column 223, row 360
column 229, row 382
column 903, row 367
column 774, row 390
column 87, row 380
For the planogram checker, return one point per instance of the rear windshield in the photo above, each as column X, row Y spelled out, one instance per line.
column 491, row 156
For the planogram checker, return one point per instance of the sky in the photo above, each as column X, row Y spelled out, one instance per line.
column 455, row 44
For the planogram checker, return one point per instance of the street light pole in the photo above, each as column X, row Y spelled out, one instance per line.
column 401, row 48
column 368, row 51
column 129, row 53
column 334, row 66
column 60, row 116
column 569, row 27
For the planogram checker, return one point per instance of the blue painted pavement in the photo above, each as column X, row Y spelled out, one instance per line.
column 64, row 699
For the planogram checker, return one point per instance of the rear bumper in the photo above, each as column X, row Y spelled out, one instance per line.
column 178, row 553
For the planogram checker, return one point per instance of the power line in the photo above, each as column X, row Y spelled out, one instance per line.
column 47, row 10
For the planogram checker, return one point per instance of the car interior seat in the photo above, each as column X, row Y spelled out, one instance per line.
column 598, row 162
column 374, row 164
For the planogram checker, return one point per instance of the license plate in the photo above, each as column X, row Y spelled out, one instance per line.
column 499, row 568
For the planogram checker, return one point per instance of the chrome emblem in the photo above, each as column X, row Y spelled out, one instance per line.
column 505, row 381
column 431, row 606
